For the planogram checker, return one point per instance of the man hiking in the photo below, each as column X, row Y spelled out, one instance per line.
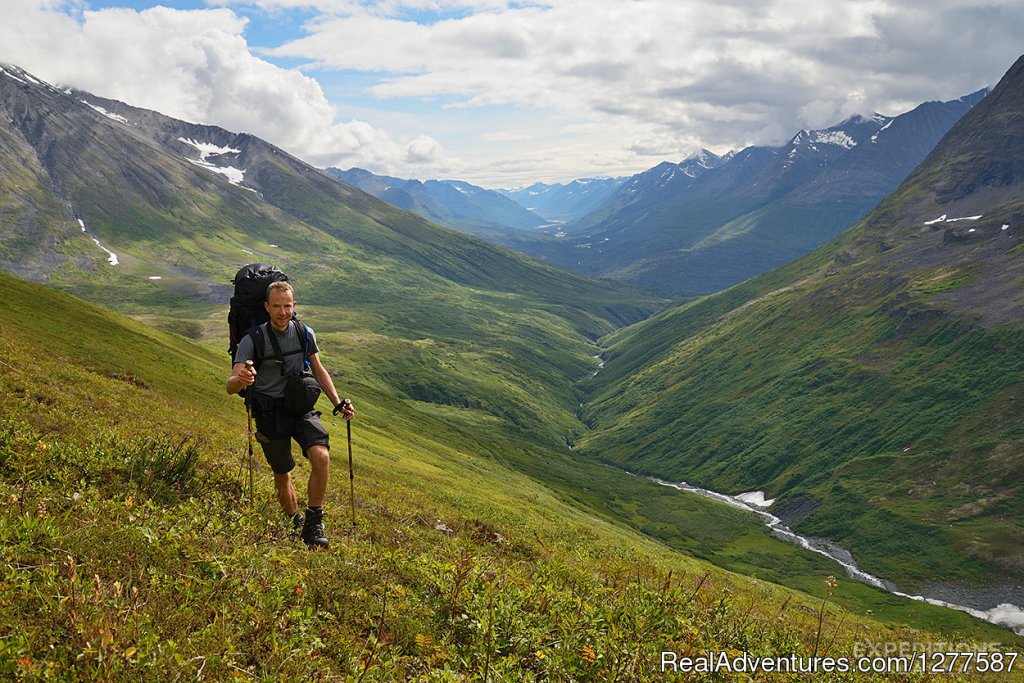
column 265, row 372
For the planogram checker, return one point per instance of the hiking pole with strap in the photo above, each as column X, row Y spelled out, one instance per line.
column 248, row 414
column 351, row 472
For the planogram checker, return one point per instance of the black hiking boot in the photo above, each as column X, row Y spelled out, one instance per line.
column 297, row 521
column 313, row 529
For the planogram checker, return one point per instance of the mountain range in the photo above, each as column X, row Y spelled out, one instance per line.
column 700, row 225
column 566, row 202
column 710, row 222
column 452, row 203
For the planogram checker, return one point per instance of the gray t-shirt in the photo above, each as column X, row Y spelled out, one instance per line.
column 269, row 379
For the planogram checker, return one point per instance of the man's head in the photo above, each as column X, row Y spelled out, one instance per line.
column 280, row 304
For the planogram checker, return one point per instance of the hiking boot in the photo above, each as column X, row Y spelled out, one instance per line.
column 313, row 529
column 297, row 521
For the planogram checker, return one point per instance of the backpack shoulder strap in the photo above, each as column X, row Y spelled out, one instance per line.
column 257, row 335
column 277, row 349
column 304, row 338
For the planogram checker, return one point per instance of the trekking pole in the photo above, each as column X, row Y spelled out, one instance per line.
column 351, row 473
column 248, row 414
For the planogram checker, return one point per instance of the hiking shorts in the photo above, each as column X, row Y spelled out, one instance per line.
column 275, row 430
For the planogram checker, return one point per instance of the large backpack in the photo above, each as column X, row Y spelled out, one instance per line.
column 247, row 311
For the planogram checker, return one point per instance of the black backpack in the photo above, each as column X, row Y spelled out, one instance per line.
column 247, row 312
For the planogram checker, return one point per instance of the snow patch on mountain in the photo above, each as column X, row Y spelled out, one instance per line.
column 833, row 137
column 207, row 149
column 101, row 110
column 234, row 175
column 112, row 257
column 11, row 74
column 943, row 219
column 874, row 138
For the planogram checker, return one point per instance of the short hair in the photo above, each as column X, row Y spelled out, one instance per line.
column 280, row 286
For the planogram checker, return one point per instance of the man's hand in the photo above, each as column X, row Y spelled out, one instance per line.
column 346, row 409
column 247, row 374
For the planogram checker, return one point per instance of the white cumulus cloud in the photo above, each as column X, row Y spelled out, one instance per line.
column 196, row 65
column 670, row 75
column 511, row 91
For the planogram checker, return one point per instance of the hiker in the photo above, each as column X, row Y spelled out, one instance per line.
column 276, row 426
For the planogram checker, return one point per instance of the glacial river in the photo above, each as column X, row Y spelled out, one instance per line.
column 1007, row 615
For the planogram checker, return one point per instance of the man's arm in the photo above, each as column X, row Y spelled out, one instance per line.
column 242, row 375
column 327, row 384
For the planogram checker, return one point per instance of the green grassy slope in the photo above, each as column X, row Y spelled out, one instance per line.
column 129, row 549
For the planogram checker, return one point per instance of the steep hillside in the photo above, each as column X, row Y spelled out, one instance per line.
column 750, row 211
column 872, row 387
column 131, row 550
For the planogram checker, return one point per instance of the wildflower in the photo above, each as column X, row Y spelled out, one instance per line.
column 41, row 507
column 24, row 661
column 298, row 590
column 831, row 583
column 588, row 653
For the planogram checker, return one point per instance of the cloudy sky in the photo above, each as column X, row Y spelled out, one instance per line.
column 503, row 93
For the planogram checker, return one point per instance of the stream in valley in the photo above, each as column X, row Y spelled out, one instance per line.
column 1005, row 614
